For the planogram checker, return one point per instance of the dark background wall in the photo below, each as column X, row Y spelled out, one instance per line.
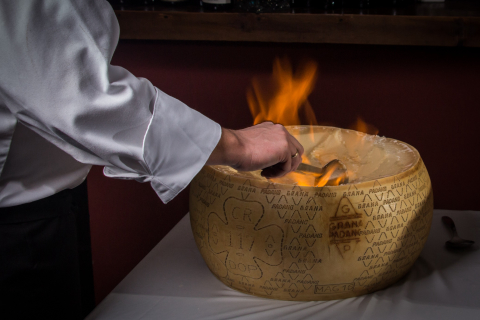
column 425, row 96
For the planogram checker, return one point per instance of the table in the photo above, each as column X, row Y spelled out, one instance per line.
column 173, row 282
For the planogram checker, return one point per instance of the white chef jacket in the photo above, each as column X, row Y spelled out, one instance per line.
column 63, row 107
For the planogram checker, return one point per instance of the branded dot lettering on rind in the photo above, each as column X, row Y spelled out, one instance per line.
column 383, row 230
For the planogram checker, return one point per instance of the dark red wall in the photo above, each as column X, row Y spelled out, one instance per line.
column 427, row 97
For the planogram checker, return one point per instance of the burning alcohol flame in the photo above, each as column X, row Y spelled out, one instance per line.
column 284, row 99
column 280, row 99
column 335, row 175
column 364, row 127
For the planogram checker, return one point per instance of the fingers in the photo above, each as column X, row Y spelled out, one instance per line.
column 297, row 145
column 290, row 162
column 266, row 146
column 298, row 148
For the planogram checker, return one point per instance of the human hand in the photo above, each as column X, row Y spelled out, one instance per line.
column 265, row 146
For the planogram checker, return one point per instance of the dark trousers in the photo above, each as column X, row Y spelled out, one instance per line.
column 40, row 259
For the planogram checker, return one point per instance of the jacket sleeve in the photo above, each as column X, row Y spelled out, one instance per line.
column 56, row 79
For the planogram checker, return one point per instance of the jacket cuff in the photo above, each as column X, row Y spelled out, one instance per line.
column 177, row 144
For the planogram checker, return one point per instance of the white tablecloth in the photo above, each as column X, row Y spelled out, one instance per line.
column 173, row 282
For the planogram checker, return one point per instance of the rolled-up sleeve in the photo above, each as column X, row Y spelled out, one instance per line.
column 56, row 79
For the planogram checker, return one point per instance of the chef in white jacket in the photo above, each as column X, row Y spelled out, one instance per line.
column 63, row 108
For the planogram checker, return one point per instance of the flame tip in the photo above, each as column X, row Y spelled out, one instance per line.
column 284, row 99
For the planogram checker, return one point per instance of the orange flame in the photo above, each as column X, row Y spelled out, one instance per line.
column 364, row 127
column 302, row 179
column 284, row 99
column 332, row 177
column 290, row 93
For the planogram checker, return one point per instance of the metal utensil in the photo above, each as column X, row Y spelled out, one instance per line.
column 335, row 171
column 456, row 242
column 309, row 168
